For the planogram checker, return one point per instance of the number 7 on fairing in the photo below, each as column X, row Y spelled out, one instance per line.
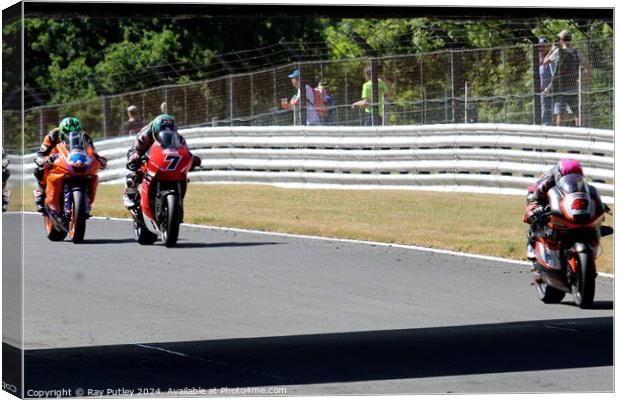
column 173, row 161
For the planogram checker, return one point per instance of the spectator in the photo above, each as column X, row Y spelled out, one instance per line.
column 545, row 72
column 164, row 108
column 133, row 124
column 565, row 82
column 323, row 87
column 365, row 102
column 312, row 117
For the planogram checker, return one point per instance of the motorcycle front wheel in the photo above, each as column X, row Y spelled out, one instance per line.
column 170, row 220
column 77, row 225
column 583, row 285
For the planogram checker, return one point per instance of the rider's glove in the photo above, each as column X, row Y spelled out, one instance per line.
column 134, row 162
column 535, row 215
column 103, row 161
column 196, row 162
column 43, row 162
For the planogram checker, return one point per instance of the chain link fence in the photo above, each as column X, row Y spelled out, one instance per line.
column 453, row 86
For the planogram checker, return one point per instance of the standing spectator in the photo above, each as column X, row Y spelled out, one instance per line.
column 365, row 102
column 545, row 72
column 565, row 83
column 133, row 124
column 312, row 117
column 164, row 108
column 323, row 88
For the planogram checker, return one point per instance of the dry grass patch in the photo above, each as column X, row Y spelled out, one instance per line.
column 473, row 223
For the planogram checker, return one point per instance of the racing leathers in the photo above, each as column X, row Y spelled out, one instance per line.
column 44, row 159
column 144, row 140
column 536, row 203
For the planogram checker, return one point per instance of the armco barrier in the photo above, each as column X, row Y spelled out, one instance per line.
column 489, row 158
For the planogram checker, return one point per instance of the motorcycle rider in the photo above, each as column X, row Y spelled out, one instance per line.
column 43, row 161
column 144, row 140
column 537, row 197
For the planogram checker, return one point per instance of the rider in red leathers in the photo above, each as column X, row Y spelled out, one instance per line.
column 144, row 141
column 537, row 197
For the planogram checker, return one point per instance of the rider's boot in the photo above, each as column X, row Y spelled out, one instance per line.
column 39, row 198
column 130, row 198
column 531, row 245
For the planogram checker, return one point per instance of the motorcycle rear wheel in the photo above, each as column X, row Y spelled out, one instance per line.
column 143, row 235
column 171, row 220
column 548, row 294
column 583, row 286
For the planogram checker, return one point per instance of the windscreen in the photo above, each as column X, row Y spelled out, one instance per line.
column 76, row 141
column 168, row 139
column 572, row 183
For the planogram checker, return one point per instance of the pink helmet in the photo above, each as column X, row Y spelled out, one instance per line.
column 569, row 166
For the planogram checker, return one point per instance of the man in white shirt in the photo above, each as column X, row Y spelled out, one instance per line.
column 312, row 118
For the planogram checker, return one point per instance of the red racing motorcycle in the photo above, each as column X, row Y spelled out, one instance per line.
column 568, row 243
column 162, row 190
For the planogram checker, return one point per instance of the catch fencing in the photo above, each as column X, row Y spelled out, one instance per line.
column 497, row 85
column 480, row 158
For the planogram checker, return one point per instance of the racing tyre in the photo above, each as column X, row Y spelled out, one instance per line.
column 583, row 285
column 548, row 294
column 171, row 220
column 143, row 235
column 77, row 225
column 52, row 233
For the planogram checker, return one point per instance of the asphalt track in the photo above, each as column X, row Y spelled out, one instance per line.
column 233, row 309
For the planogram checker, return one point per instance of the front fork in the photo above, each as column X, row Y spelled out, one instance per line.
column 68, row 201
column 160, row 195
column 573, row 259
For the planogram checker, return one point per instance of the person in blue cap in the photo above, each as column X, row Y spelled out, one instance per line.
column 545, row 72
column 312, row 117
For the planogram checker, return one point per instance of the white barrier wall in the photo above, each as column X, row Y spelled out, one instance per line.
column 486, row 158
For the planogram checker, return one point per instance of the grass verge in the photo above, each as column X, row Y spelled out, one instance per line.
column 472, row 223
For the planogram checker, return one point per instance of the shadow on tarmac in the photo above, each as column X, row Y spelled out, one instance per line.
column 330, row 357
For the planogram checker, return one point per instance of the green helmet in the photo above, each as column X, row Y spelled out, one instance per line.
column 163, row 122
column 68, row 125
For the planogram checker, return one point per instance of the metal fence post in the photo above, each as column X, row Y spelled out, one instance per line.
column 41, row 125
column 505, row 86
column 422, row 89
column 452, row 81
column 346, row 91
column 579, row 91
column 252, row 95
column 206, row 102
column 466, row 93
column 185, row 105
column 537, row 86
column 230, row 99
column 105, row 116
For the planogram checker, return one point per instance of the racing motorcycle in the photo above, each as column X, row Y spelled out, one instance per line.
column 568, row 242
column 6, row 193
column 163, row 186
column 75, row 165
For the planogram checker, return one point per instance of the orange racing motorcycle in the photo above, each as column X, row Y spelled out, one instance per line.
column 568, row 242
column 71, row 185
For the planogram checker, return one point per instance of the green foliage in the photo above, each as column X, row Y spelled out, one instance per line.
column 60, row 54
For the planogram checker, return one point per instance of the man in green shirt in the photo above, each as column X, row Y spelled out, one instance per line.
column 366, row 101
